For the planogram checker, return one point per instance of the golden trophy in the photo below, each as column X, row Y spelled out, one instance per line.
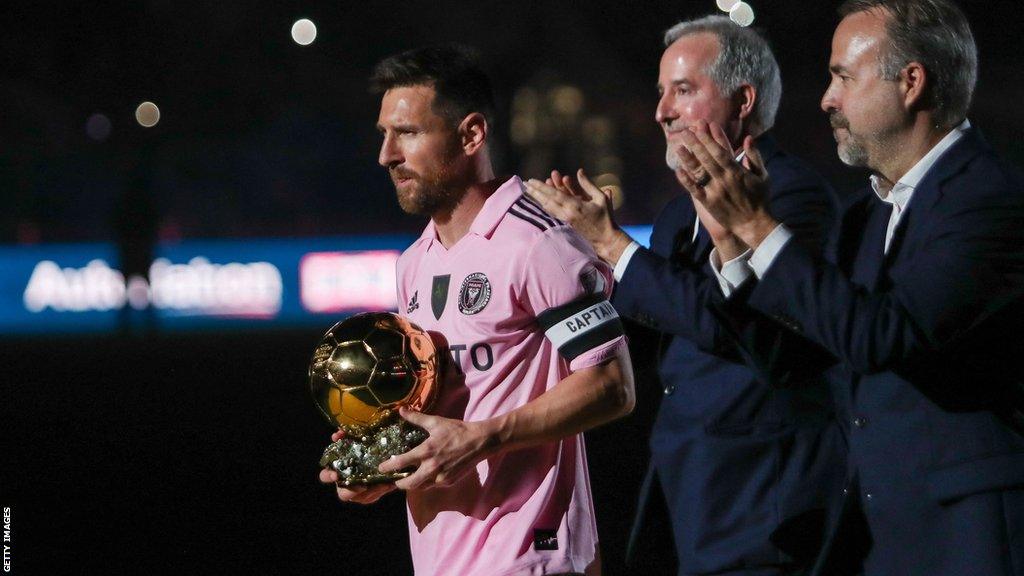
column 362, row 371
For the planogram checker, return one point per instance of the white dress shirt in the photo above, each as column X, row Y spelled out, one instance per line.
column 898, row 195
column 620, row 266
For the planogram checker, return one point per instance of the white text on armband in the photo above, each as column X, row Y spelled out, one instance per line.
column 581, row 325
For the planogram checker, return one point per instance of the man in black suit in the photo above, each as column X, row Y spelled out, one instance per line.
column 924, row 307
column 743, row 464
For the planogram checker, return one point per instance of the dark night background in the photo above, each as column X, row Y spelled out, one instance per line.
column 195, row 453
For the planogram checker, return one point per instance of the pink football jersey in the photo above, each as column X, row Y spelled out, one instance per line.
column 522, row 302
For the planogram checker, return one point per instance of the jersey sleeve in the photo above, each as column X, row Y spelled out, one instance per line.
column 568, row 288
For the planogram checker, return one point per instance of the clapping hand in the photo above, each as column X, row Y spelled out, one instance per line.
column 734, row 194
column 588, row 209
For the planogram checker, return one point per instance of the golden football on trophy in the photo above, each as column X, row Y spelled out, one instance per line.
column 362, row 371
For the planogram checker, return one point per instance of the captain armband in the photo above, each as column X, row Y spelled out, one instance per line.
column 581, row 325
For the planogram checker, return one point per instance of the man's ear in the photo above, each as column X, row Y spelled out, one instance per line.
column 472, row 133
column 913, row 82
column 744, row 99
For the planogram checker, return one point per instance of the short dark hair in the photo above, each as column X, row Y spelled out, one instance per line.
column 454, row 71
column 936, row 34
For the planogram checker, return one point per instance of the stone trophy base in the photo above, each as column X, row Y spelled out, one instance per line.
column 355, row 458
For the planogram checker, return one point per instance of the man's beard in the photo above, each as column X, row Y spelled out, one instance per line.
column 672, row 158
column 853, row 151
column 428, row 195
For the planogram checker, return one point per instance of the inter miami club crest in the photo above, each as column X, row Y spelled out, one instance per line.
column 475, row 293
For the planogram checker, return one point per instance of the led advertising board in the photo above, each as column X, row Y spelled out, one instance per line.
column 54, row 288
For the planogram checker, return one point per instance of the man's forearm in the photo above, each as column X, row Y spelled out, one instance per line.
column 581, row 401
column 729, row 247
column 610, row 248
column 753, row 231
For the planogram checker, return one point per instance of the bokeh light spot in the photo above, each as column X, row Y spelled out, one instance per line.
column 726, row 5
column 98, row 127
column 742, row 14
column 304, row 32
column 147, row 114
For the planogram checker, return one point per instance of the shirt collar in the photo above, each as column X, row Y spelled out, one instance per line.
column 494, row 208
column 900, row 192
column 497, row 206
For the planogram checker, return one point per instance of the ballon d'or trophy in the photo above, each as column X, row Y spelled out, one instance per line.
column 362, row 371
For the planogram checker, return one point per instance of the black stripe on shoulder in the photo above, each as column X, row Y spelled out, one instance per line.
column 533, row 201
column 522, row 216
column 538, row 212
column 591, row 339
column 531, row 209
column 552, row 316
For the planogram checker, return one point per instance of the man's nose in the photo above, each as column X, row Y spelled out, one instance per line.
column 829, row 104
column 389, row 155
column 664, row 113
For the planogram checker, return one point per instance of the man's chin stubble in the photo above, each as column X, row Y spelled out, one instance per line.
column 852, row 155
column 672, row 160
column 422, row 203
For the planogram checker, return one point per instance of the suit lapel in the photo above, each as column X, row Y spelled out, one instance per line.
column 867, row 265
column 682, row 243
column 870, row 256
column 929, row 191
column 689, row 250
column 702, row 246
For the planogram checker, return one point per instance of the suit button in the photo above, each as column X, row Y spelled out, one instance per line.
column 868, row 496
column 670, row 389
column 860, row 422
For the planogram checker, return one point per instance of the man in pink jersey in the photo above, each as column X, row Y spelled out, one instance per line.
column 501, row 484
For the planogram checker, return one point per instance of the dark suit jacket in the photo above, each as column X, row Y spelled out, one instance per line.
column 735, row 456
column 930, row 340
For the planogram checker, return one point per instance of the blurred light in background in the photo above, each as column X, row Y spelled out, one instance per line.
column 339, row 281
column 304, row 32
column 197, row 284
column 523, row 129
column 526, row 101
column 147, row 114
column 742, row 14
column 98, row 127
column 196, row 287
column 525, row 105
column 137, row 293
column 726, row 5
column 566, row 100
column 599, row 131
column 608, row 163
